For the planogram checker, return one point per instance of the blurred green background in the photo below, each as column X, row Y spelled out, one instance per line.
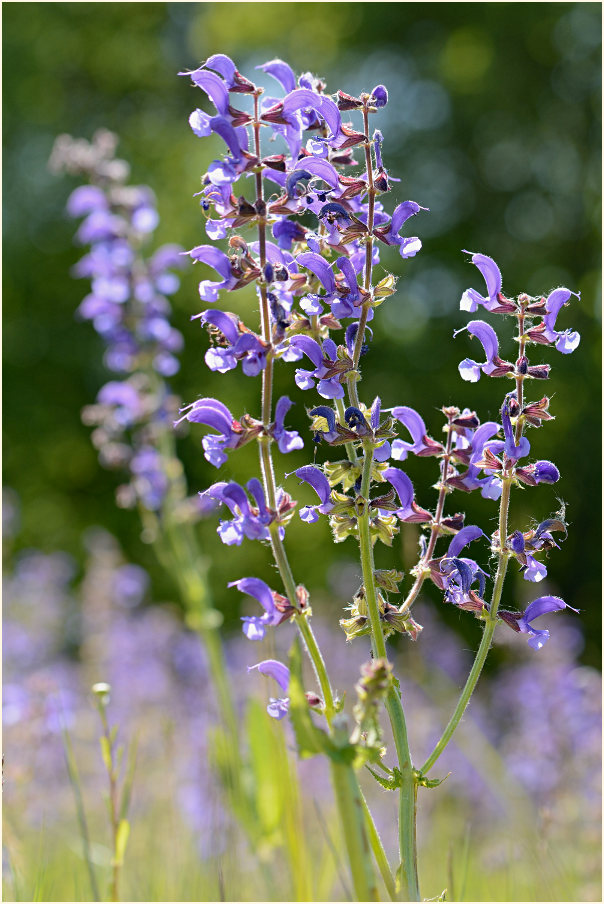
column 493, row 123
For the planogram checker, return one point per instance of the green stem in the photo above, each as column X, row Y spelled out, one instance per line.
column 378, row 851
column 487, row 637
column 350, row 806
column 394, row 707
column 345, row 781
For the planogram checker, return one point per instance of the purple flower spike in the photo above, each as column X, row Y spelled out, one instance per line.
column 416, row 427
column 254, row 627
column 492, row 277
column 288, row 440
column 566, row 341
column 320, row 484
column 541, row 606
column 277, row 708
column 469, row 369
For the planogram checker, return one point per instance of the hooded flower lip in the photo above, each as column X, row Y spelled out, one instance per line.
column 408, row 247
column 320, row 484
column 287, row 440
column 277, row 707
column 254, row 627
column 213, row 257
column 522, row 621
column 213, row 414
column 240, row 346
column 327, row 366
column 491, row 273
column 250, row 522
column 282, row 72
column 470, row 370
column 567, row 340
column 409, row 510
column 422, row 444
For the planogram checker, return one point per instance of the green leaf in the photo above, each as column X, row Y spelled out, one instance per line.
column 390, row 784
column 264, row 762
column 106, row 752
column 426, row 782
column 121, row 840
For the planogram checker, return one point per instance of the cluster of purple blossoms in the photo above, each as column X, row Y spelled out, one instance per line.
column 129, row 308
column 314, row 278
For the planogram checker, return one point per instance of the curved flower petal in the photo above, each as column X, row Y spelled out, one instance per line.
column 316, row 166
column 319, row 266
column 320, row 484
column 302, row 98
column 492, row 277
column 274, row 669
column 402, row 485
column 213, row 86
column 462, row 538
column 260, row 591
column 310, row 347
column 282, row 72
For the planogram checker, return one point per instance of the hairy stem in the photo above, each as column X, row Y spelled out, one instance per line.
column 345, row 781
column 434, row 528
column 407, row 796
column 487, row 637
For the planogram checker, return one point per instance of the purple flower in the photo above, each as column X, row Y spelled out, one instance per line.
column 243, row 346
column 250, row 522
column 490, row 486
column 277, row 708
column 532, row 570
column 492, row 277
column 324, row 358
column 380, row 96
column 567, row 341
column 282, row 72
column 409, row 510
column 254, row 627
column 287, row 440
column 541, row 606
column 469, row 369
column 513, row 451
column 408, row 247
column 125, row 401
column 213, row 257
column 214, row 414
column 320, row 484
column 150, row 480
column 416, row 427
column 538, row 472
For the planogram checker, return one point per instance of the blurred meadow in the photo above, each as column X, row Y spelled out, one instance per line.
column 494, row 124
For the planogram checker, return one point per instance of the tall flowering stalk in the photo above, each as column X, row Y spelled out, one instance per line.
column 318, row 224
column 134, row 413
